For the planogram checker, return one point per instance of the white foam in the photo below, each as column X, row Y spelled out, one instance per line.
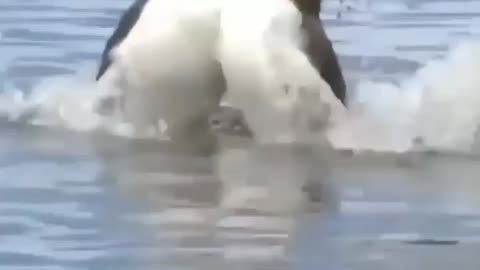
column 67, row 101
column 439, row 102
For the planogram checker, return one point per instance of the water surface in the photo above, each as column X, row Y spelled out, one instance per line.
column 69, row 200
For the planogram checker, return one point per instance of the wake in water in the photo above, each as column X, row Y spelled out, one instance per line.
column 439, row 103
column 69, row 102
column 437, row 106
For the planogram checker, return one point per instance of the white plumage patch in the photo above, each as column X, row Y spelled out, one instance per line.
column 268, row 74
column 171, row 64
column 166, row 67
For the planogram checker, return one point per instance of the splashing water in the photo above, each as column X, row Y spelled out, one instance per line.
column 64, row 101
column 439, row 103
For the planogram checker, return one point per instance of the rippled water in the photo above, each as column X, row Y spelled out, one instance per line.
column 69, row 200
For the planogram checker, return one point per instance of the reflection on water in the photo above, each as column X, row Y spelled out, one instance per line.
column 106, row 198
column 92, row 201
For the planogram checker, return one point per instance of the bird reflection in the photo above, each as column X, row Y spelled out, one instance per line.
column 239, row 206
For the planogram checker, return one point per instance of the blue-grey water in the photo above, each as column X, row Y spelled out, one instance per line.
column 73, row 201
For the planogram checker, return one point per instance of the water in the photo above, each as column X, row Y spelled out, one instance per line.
column 71, row 199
